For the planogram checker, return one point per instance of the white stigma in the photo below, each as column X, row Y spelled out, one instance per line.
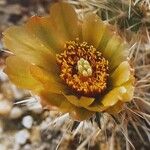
column 84, row 67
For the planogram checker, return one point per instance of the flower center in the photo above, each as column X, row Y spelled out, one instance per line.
column 83, row 68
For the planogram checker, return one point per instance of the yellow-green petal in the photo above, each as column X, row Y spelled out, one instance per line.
column 93, row 29
column 121, row 74
column 44, row 29
column 118, row 56
column 49, row 81
column 107, row 35
column 23, row 44
column 56, row 101
column 129, row 85
column 79, row 102
column 18, row 71
column 112, row 46
column 81, row 114
column 116, row 108
column 97, row 107
column 65, row 18
column 113, row 96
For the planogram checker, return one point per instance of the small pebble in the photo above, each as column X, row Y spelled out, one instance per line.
column 2, row 147
column 22, row 136
column 44, row 125
column 3, row 76
column 35, row 135
column 7, row 91
column 27, row 147
column 5, row 107
column 27, row 122
column 15, row 113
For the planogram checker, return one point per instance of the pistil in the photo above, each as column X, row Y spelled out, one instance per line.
column 84, row 68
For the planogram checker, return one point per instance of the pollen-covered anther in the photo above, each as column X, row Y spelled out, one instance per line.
column 83, row 68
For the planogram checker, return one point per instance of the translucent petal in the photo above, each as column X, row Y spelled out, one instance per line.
column 56, row 101
column 93, row 29
column 118, row 56
column 116, row 108
column 44, row 29
column 107, row 35
column 113, row 96
column 121, row 74
column 59, row 102
column 49, row 81
column 23, row 44
column 122, row 93
column 96, row 107
column 65, row 18
column 79, row 102
column 129, row 85
column 81, row 114
column 19, row 73
column 112, row 46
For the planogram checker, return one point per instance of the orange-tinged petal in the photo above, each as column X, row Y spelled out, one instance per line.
column 50, row 82
column 65, row 18
column 81, row 114
column 23, row 44
column 19, row 73
column 44, row 29
column 121, row 74
column 93, row 29
column 56, row 101
column 79, row 102
column 113, row 96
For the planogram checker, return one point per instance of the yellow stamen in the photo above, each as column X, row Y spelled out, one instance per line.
column 83, row 68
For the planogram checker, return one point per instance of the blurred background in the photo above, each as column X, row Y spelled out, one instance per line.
column 25, row 125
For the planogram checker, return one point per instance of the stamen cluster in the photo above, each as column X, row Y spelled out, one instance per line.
column 83, row 68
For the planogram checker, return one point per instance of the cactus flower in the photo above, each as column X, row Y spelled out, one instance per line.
column 79, row 67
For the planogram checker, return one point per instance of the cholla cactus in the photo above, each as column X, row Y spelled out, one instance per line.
column 129, row 14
